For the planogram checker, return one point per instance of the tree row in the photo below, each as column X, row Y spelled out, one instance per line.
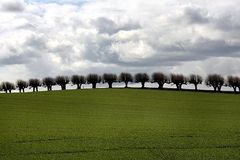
column 215, row 81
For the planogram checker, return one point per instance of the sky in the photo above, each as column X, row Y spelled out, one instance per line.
column 40, row 38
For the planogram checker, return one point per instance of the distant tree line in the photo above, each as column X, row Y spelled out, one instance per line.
column 215, row 81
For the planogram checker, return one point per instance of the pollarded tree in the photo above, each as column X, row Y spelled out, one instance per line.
column 62, row 81
column 159, row 78
column 7, row 87
column 178, row 80
column 216, row 81
column 238, row 79
column 3, row 87
column 126, row 78
column 22, row 85
column 34, row 84
column 78, row 80
column 142, row 78
column 109, row 78
column 93, row 79
column 49, row 82
column 233, row 82
column 195, row 80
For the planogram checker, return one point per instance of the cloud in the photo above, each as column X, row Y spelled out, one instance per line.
column 12, row 5
column 221, row 65
column 196, row 15
column 49, row 38
column 60, row 1
column 108, row 26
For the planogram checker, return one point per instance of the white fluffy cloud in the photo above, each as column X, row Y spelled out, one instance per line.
column 40, row 39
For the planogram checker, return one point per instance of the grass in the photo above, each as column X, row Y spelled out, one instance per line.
column 121, row 124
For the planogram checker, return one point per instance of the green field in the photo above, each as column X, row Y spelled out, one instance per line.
column 117, row 124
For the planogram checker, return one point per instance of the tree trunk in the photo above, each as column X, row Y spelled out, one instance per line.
column 78, row 86
column 37, row 89
column 219, row 89
column 33, row 89
column 20, row 90
column 235, row 89
column 160, row 86
column 215, row 89
column 94, row 85
column 143, row 84
column 5, row 91
column 126, row 84
column 23, row 90
column 177, row 86
column 196, row 88
column 10, row 91
column 110, row 85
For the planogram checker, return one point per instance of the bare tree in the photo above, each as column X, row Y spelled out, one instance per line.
column 93, row 79
column 216, row 81
column 126, row 78
column 22, row 85
column 109, row 78
column 34, row 83
column 195, row 80
column 49, row 82
column 142, row 78
column 159, row 78
column 178, row 80
column 78, row 80
column 62, row 81
column 7, row 87
column 233, row 82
